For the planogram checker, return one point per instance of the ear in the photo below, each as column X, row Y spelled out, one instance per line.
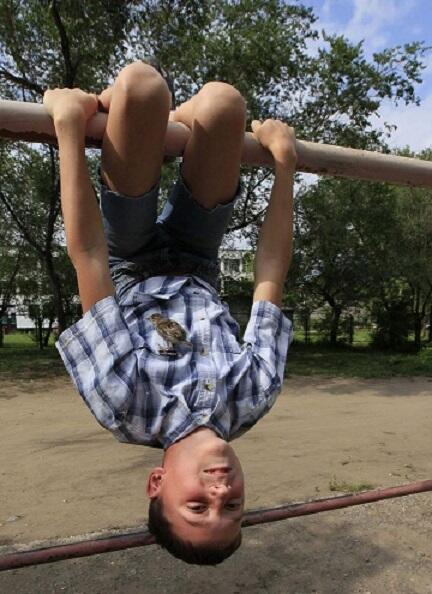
column 155, row 480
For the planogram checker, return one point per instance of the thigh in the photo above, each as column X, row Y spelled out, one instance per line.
column 212, row 156
column 133, row 143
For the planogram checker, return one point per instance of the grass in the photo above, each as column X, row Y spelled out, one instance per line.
column 20, row 358
column 344, row 487
column 357, row 361
column 362, row 336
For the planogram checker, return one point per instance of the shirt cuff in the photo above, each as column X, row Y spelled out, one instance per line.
column 82, row 325
column 100, row 331
column 268, row 314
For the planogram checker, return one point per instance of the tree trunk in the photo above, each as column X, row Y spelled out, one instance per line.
column 47, row 334
column 306, row 327
column 351, row 330
column 418, row 319
column 57, row 292
column 430, row 324
column 334, row 328
column 39, row 327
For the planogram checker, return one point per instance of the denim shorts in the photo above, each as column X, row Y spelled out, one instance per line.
column 183, row 240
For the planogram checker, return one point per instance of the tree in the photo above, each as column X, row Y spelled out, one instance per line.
column 346, row 255
column 29, row 196
column 46, row 44
column 415, row 256
column 10, row 264
column 260, row 46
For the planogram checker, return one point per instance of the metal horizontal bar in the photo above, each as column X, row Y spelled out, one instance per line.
column 117, row 542
column 30, row 122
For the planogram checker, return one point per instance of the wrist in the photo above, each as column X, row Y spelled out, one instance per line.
column 284, row 165
column 285, row 156
column 71, row 119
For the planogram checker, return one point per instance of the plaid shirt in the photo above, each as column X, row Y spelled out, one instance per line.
column 144, row 397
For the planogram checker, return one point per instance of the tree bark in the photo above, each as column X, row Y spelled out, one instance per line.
column 334, row 328
column 57, row 292
column 47, row 334
column 38, row 330
column 351, row 330
column 430, row 324
column 418, row 319
column 306, row 326
column 335, row 318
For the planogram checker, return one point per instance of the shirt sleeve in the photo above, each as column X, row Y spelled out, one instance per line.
column 99, row 356
column 268, row 336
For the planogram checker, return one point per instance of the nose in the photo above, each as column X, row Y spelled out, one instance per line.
column 220, row 489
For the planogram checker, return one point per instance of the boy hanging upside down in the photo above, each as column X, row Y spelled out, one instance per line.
column 156, row 355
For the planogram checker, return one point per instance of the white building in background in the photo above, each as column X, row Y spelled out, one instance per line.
column 18, row 312
column 233, row 265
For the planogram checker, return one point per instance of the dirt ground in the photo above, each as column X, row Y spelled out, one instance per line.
column 63, row 475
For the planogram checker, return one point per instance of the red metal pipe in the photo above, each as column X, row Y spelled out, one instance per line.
column 118, row 542
column 293, row 510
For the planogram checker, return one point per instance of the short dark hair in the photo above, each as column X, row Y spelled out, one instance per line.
column 161, row 529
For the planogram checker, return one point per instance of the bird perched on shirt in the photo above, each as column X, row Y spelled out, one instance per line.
column 169, row 330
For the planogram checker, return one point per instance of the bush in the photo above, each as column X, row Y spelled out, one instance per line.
column 394, row 324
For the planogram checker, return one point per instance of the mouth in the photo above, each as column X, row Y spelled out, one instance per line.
column 218, row 470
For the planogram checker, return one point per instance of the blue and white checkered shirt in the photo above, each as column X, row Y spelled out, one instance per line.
column 144, row 397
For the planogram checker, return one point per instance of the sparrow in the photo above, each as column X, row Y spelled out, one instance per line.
column 169, row 330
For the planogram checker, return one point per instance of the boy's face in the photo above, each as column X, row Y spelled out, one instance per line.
column 201, row 486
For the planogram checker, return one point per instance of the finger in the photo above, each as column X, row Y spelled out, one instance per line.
column 255, row 125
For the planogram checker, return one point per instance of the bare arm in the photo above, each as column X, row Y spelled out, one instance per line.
column 85, row 238
column 275, row 241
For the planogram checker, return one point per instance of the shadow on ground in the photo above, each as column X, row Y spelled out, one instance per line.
column 309, row 555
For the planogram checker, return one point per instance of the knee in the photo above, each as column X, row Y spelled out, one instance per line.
column 222, row 98
column 141, row 82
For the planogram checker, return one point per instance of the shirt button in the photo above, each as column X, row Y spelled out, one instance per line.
column 208, row 386
column 204, row 352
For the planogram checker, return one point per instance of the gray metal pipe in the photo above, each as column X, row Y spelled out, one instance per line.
column 30, row 122
column 126, row 540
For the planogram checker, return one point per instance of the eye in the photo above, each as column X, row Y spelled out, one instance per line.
column 197, row 507
column 233, row 506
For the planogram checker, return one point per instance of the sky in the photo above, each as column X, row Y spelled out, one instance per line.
column 383, row 24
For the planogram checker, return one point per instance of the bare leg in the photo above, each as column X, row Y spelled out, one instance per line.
column 211, row 159
column 133, row 144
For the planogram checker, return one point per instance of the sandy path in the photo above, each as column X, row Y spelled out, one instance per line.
column 61, row 474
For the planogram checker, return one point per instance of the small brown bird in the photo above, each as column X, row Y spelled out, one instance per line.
column 169, row 330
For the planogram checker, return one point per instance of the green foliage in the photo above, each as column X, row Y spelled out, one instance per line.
column 394, row 324
column 344, row 254
column 47, row 43
column 235, row 286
